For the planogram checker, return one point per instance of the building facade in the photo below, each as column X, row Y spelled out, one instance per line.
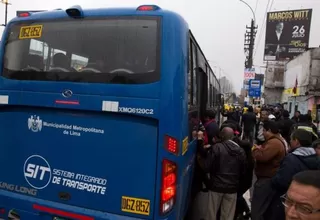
column 302, row 83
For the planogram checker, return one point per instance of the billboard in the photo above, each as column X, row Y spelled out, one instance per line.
column 287, row 34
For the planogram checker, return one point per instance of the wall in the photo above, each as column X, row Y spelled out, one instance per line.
column 314, row 79
column 306, row 70
column 274, row 75
column 303, row 104
column 273, row 85
column 298, row 68
column 272, row 95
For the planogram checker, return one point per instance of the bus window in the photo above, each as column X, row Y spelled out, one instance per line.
column 211, row 96
column 194, row 75
column 37, row 55
column 38, row 48
column 128, row 48
column 189, row 78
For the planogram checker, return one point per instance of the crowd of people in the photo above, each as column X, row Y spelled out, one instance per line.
column 276, row 157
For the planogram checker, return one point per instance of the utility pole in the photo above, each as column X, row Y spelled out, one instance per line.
column 250, row 36
column 6, row 3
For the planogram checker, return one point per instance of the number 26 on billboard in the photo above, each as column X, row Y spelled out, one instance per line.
column 298, row 31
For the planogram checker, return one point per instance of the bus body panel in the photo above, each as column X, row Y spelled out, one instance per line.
column 174, row 58
column 91, row 163
column 177, row 61
column 145, row 107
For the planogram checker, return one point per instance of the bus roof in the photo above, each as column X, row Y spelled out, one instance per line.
column 59, row 13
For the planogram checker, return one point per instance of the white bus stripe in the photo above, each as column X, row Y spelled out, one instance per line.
column 4, row 99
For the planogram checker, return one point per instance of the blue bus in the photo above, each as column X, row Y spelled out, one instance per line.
column 96, row 110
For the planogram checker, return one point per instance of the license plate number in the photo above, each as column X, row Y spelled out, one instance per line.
column 135, row 205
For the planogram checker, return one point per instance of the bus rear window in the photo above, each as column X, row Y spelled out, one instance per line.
column 111, row 50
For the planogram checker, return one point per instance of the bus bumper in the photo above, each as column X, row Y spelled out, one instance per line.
column 26, row 207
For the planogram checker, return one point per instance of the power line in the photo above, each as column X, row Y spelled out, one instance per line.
column 255, row 8
column 262, row 26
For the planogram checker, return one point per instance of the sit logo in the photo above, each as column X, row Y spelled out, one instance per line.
column 34, row 123
column 37, row 172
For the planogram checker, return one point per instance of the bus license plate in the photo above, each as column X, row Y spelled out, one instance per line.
column 135, row 205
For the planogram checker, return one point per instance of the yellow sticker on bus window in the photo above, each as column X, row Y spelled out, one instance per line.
column 185, row 145
column 29, row 32
column 135, row 205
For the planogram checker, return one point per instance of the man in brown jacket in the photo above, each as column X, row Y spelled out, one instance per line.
column 268, row 157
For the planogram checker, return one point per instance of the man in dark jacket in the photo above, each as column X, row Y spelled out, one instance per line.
column 296, row 116
column 232, row 115
column 285, row 125
column 249, row 121
column 302, row 157
column 224, row 177
column 242, row 208
column 277, row 113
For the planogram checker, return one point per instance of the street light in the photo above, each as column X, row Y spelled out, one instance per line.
column 6, row 3
column 254, row 15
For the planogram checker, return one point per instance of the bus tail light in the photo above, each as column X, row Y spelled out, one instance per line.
column 148, row 8
column 24, row 14
column 171, row 144
column 2, row 211
column 169, row 186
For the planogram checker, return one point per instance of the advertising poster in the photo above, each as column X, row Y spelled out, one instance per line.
column 287, row 34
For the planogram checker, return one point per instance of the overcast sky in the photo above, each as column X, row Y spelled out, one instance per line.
column 218, row 25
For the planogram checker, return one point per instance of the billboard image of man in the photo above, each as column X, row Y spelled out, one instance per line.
column 275, row 42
